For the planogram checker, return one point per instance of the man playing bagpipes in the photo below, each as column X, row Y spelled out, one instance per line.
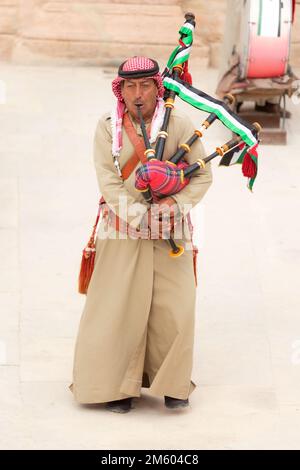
column 137, row 328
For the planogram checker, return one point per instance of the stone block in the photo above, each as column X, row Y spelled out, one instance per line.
column 271, row 136
column 214, row 54
column 8, row 19
column 103, row 22
column 94, row 32
column 210, row 18
column 7, row 43
column 32, row 51
column 9, row 3
column 127, row 2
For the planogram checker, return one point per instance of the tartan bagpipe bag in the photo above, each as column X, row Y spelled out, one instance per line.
column 157, row 178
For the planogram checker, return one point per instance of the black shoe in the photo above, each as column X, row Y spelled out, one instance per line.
column 119, row 406
column 171, row 402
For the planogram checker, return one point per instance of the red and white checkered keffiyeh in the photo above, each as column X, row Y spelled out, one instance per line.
column 140, row 65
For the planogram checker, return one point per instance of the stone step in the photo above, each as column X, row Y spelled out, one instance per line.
column 8, row 19
column 128, row 2
column 270, row 120
column 269, row 136
column 109, row 8
column 121, row 23
column 33, row 51
column 272, row 133
column 91, row 32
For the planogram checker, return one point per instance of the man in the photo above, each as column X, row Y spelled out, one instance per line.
column 137, row 327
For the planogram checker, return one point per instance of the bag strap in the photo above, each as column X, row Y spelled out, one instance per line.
column 91, row 242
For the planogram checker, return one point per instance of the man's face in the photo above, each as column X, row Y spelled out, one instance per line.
column 140, row 91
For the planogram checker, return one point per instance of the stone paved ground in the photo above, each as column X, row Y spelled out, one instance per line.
column 247, row 342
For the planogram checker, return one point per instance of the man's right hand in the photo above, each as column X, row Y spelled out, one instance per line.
column 162, row 217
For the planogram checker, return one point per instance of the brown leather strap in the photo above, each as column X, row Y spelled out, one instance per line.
column 138, row 144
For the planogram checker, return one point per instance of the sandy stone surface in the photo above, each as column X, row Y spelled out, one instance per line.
column 247, row 339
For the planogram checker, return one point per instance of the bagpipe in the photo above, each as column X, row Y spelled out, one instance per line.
column 158, row 178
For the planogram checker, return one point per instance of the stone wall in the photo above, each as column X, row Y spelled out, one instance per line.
column 95, row 32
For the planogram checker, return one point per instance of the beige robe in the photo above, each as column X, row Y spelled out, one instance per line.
column 137, row 327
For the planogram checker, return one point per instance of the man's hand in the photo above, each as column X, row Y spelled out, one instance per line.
column 162, row 216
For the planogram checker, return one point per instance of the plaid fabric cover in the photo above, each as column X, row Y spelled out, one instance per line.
column 163, row 177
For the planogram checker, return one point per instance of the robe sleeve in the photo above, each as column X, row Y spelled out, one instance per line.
column 201, row 179
column 110, row 184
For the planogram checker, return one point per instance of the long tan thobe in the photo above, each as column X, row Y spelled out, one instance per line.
column 137, row 327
